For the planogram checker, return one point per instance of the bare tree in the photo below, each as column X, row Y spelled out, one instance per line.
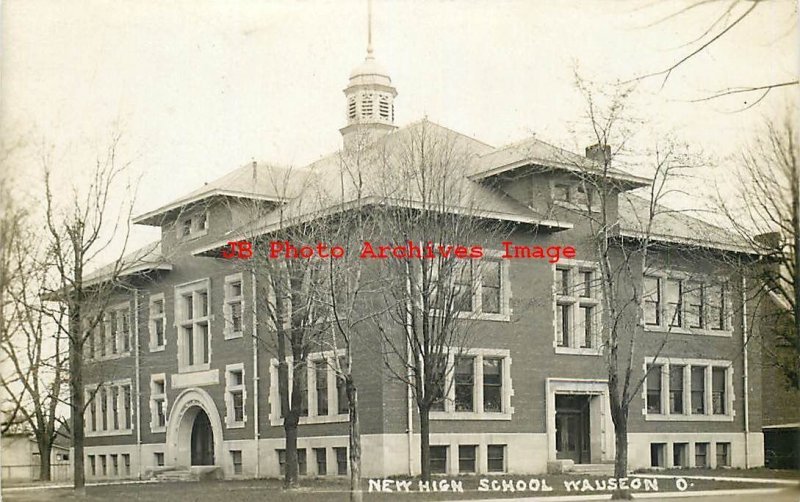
column 766, row 216
column 625, row 259
column 732, row 13
column 78, row 230
column 433, row 211
column 33, row 350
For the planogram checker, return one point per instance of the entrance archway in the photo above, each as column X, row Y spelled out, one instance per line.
column 202, row 440
column 194, row 431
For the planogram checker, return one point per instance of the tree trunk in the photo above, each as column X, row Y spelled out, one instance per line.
column 290, row 429
column 621, row 441
column 356, row 495
column 425, row 442
column 76, row 396
column 44, row 460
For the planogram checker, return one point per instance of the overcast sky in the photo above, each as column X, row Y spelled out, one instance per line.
column 201, row 87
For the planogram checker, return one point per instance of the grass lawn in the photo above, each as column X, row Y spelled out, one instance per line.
column 760, row 472
column 328, row 490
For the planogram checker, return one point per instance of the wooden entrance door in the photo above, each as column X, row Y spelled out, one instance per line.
column 202, row 440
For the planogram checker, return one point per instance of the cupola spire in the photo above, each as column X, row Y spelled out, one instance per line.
column 370, row 98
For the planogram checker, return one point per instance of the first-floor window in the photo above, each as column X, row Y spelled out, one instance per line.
column 321, row 369
column 654, row 389
column 438, row 457
column 698, row 390
column 464, row 380
column 718, row 394
column 676, row 389
column 492, row 384
column 466, row 458
column 234, row 386
column 158, row 402
column 496, row 458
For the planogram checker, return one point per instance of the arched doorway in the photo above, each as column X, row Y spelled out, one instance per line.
column 202, row 440
column 194, row 431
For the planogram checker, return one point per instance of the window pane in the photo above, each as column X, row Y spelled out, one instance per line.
column 464, row 383
column 462, row 290
column 585, row 326
column 673, row 293
column 490, row 287
column 492, row 385
column 716, row 306
column 654, row 389
column 679, row 454
column 322, row 387
column 652, row 301
column 723, row 454
column 701, row 454
column 562, row 325
column 563, row 281
column 698, row 390
column 676, row 389
column 585, row 288
column 694, row 304
column 302, row 381
column 341, row 461
column 718, row 398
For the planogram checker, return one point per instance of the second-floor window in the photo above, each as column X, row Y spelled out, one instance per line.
column 234, row 305
column 193, row 319
column 116, row 338
column 477, row 382
column 477, row 287
column 577, row 306
column 158, row 320
column 686, row 304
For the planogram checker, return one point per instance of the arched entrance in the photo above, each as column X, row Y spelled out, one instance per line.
column 194, row 431
column 202, row 440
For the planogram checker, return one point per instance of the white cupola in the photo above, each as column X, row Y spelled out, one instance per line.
column 369, row 99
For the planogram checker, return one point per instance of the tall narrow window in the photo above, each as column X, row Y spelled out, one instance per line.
column 718, row 394
column 652, row 301
column 302, row 380
column 492, row 384
column 233, row 306
column 126, row 406
column 673, row 295
column 302, row 464
column 321, row 455
column 491, row 291
column 698, row 390
column 193, row 319
column 158, row 400
column 92, row 466
column 562, row 325
column 654, row 389
column 701, row 454
column 341, row 391
column 126, row 464
column 101, row 394
column 679, row 454
column 321, row 374
column 234, row 382
column 462, row 290
column 716, row 307
column 341, row 461
column 676, row 389
column 585, row 324
column 694, row 304
column 723, row 454
column 236, row 460
column 464, row 383
column 157, row 322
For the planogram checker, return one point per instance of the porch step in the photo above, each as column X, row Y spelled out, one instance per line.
column 593, row 469
column 176, row 475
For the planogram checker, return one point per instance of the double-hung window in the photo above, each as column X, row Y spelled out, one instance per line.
column 117, row 341
column 674, row 302
column 471, row 287
column 698, row 389
column 234, row 306
column 158, row 402
column 477, row 385
column 158, row 321
column 234, row 395
column 193, row 319
column 577, row 308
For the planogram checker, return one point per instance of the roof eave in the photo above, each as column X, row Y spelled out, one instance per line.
column 156, row 217
column 634, row 181
column 671, row 239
